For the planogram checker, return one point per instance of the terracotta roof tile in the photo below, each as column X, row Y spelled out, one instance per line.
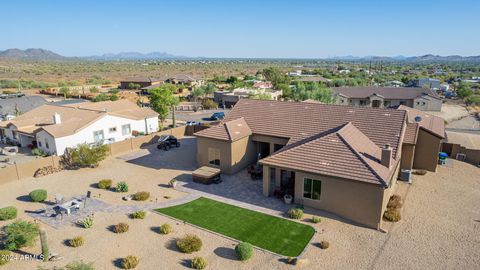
column 228, row 131
column 428, row 122
column 411, row 133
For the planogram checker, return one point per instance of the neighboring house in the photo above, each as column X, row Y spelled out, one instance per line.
column 262, row 85
column 229, row 99
column 341, row 159
column 314, row 79
column 295, row 73
column 54, row 128
column 142, row 82
column 381, row 97
column 427, row 83
column 12, row 107
column 189, row 81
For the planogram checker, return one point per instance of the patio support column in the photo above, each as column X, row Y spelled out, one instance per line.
column 266, row 180
column 278, row 177
column 272, row 148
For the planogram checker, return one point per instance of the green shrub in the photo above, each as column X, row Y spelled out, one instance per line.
column 20, row 234
column 316, row 219
column 141, row 196
column 324, row 244
column 138, row 215
column 244, row 251
column 121, row 187
column 84, row 156
column 9, row 212
column 121, row 228
column 79, row 266
column 172, row 182
column 76, row 241
column 38, row 195
column 392, row 215
column 130, row 262
column 86, row 222
column 189, row 243
column 199, row 263
column 209, row 104
column 105, row 184
column 166, row 229
column 38, row 152
column 295, row 213
column 4, row 256
column 394, row 202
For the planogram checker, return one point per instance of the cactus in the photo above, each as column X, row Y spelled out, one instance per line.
column 43, row 240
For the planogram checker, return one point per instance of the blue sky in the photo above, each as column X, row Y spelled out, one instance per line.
column 229, row 28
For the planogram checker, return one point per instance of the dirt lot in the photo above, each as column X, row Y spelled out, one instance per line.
column 439, row 228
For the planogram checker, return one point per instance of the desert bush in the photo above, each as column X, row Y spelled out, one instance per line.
column 324, row 244
column 392, row 215
column 9, row 212
column 121, row 228
column 166, row 228
column 141, row 196
column 4, row 256
column 419, row 172
column 76, row 241
column 121, row 187
column 105, row 184
column 20, row 234
column 199, row 263
column 209, row 104
column 189, row 243
column 316, row 219
column 38, row 195
column 394, row 202
column 79, row 265
column 244, row 251
column 38, row 152
column 130, row 262
column 86, row 222
column 295, row 213
column 138, row 215
column 84, row 156
column 172, row 182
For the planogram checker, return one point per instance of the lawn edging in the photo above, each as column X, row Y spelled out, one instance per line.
column 303, row 250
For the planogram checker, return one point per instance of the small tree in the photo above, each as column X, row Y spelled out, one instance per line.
column 20, row 234
column 84, row 156
column 162, row 100
column 133, row 86
column 64, row 91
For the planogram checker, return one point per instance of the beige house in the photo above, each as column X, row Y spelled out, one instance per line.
column 387, row 97
column 340, row 159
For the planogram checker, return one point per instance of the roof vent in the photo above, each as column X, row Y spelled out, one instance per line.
column 57, row 119
column 418, row 118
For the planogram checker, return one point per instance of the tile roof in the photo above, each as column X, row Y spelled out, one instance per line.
column 341, row 152
column 411, row 133
column 386, row 92
column 228, row 131
column 467, row 140
column 428, row 122
column 24, row 104
column 75, row 117
column 298, row 120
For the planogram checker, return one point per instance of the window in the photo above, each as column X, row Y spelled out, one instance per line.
column 15, row 135
column 363, row 103
column 39, row 144
column 312, row 189
column 126, row 130
column 403, row 102
column 112, row 130
column 46, row 144
column 98, row 136
column 214, row 156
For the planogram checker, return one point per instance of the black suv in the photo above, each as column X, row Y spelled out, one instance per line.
column 166, row 142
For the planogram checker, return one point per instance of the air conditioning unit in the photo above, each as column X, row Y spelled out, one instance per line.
column 461, row 157
column 406, row 175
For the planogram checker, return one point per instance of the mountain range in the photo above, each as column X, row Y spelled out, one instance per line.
column 46, row 55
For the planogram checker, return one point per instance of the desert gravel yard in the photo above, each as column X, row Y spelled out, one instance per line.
column 440, row 226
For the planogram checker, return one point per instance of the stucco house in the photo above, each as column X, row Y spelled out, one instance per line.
column 386, row 97
column 341, row 159
column 53, row 128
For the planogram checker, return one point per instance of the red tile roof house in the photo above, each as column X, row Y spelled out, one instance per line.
column 340, row 159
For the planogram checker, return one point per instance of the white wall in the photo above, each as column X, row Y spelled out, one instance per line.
column 42, row 138
column 86, row 135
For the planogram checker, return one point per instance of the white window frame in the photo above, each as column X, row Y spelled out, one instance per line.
column 124, row 127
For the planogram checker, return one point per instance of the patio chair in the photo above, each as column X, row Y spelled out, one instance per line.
column 58, row 211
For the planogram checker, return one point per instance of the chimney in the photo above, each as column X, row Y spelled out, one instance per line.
column 386, row 156
column 57, row 119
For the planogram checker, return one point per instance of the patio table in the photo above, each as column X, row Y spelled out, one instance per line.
column 70, row 205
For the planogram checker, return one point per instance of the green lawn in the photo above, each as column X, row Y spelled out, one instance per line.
column 279, row 235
